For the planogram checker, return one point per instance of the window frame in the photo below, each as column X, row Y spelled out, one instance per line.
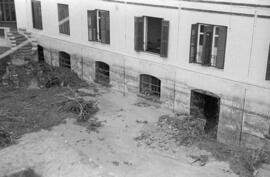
column 67, row 19
column 35, row 26
column 8, row 13
column 214, row 45
column 145, row 40
column 97, row 35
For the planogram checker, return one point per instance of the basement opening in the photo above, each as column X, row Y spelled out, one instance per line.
column 2, row 33
column 150, row 86
column 102, row 73
column 64, row 60
column 206, row 105
column 40, row 54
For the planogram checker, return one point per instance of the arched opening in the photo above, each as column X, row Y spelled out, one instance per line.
column 150, row 86
column 40, row 54
column 206, row 105
column 102, row 72
column 64, row 60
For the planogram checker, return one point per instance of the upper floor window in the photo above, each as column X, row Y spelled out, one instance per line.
column 151, row 35
column 268, row 66
column 36, row 14
column 208, row 44
column 99, row 26
column 7, row 10
column 63, row 18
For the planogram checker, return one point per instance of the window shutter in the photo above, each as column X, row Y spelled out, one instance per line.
column 207, row 44
column 221, row 47
column 92, row 25
column 138, row 36
column 105, row 26
column 63, row 18
column 36, row 14
column 164, row 38
column 193, row 43
column 268, row 67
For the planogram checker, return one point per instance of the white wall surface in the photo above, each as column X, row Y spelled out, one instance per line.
column 248, row 38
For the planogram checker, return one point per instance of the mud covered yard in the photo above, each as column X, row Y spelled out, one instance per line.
column 127, row 137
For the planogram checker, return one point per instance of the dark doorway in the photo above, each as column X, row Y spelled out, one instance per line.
column 206, row 105
column 40, row 54
column 150, row 86
column 64, row 60
column 102, row 73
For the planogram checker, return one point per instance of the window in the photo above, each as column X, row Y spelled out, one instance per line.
column 207, row 45
column 99, row 26
column 102, row 73
column 150, row 86
column 63, row 18
column 151, row 35
column 268, row 66
column 64, row 60
column 7, row 10
column 36, row 14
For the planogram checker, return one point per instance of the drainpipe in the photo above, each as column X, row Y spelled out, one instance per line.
column 252, row 42
column 243, row 117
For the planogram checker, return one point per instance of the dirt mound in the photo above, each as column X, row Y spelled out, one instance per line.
column 42, row 73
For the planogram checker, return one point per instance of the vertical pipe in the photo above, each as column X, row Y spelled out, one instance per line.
column 243, row 118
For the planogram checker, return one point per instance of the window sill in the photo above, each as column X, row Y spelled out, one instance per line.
column 150, row 98
column 99, row 42
column 149, row 53
column 63, row 34
column 37, row 29
column 207, row 66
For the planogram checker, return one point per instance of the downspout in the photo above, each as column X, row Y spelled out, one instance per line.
column 252, row 42
column 243, row 117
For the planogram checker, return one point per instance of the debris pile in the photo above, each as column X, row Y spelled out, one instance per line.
column 5, row 138
column 45, row 75
column 171, row 132
column 79, row 105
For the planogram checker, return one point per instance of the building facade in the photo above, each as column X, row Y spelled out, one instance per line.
column 204, row 58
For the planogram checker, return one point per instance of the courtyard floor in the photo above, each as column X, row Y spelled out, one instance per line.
column 71, row 150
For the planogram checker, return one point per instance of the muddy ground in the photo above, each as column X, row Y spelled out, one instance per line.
column 52, row 142
column 70, row 149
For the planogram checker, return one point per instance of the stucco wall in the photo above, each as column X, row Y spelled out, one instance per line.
column 244, row 93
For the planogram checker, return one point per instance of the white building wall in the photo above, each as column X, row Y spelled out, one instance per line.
column 241, row 85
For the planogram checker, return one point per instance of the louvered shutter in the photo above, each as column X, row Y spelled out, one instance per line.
column 221, row 47
column 268, row 66
column 164, row 38
column 105, row 26
column 207, row 44
column 63, row 18
column 36, row 14
column 193, row 43
column 139, row 33
column 92, row 25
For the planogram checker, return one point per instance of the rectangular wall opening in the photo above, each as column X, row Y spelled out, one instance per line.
column 153, row 34
column 40, row 54
column 206, row 105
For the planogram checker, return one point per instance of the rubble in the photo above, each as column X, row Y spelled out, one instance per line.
column 5, row 138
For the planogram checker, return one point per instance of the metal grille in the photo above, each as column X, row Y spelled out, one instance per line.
column 149, row 86
column 102, row 73
column 64, row 60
